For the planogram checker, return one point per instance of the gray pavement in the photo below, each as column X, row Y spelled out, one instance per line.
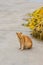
column 12, row 13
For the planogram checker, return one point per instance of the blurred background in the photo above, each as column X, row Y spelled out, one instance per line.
column 35, row 0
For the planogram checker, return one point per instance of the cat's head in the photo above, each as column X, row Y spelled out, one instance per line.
column 19, row 34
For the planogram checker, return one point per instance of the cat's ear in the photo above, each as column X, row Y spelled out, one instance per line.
column 20, row 32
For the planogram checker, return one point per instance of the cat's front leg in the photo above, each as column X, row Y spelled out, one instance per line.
column 22, row 43
column 22, row 46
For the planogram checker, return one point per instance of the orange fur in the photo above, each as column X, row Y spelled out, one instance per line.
column 25, row 41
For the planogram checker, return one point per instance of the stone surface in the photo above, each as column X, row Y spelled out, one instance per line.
column 12, row 13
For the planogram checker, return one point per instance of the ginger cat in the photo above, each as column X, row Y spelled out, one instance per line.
column 25, row 41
